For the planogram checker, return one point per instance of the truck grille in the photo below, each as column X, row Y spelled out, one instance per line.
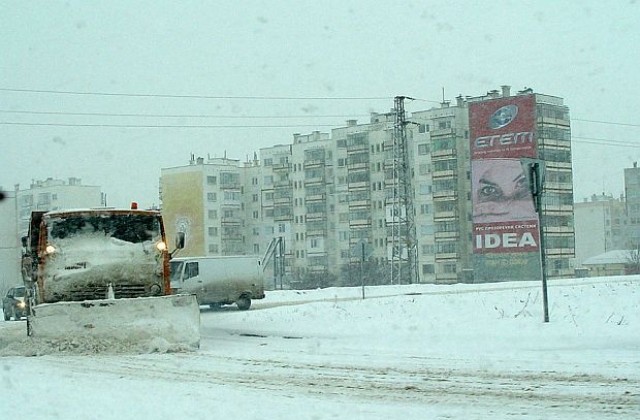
column 100, row 292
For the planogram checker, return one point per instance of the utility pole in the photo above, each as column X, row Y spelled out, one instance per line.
column 402, row 217
column 535, row 173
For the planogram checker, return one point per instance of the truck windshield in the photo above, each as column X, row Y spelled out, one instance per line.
column 133, row 228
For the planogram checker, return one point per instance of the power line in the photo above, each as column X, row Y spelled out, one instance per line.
column 606, row 142
column 162, row 126
column 108, row 114
column 158, row 95
column 590, row 140
column 606, row 122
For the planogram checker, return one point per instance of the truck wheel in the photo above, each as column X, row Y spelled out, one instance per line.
column 243, row 303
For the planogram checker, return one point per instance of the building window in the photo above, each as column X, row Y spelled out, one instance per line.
column 212, row 180
column 444, row 124
column 449, row 268
column 423, row 149
column 255, row 214
column 428, row 269
column 212, row 196
column 212, row 214
column 213, row 231
column 428, row 249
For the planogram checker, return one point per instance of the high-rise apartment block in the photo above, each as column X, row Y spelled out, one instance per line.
column 632, row 197
column 54, row 194
column 417, row 198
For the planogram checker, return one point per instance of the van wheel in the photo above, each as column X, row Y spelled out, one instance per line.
column 6, row 316
column 243, row 303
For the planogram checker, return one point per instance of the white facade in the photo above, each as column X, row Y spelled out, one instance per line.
column 9, row 244
column 55, row 194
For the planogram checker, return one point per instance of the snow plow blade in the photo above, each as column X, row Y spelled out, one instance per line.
column 163, row 323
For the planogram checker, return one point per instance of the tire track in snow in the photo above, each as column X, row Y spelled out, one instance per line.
column 524, row 391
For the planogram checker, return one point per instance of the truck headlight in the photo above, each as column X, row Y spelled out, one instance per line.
column 155, row 290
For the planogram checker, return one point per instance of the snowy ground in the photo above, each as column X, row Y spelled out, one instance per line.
column 420, row 351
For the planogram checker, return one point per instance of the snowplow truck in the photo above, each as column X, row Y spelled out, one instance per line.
column 104, row 274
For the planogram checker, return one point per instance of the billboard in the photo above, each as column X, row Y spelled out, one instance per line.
column 505, row 224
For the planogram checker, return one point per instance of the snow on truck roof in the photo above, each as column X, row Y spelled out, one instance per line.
column 101, row 210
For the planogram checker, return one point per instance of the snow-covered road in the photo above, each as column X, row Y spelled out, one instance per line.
column 462, row 351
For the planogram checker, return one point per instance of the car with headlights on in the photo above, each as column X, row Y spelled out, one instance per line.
column 14, row 303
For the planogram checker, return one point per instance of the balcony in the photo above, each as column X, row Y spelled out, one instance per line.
column 443, row 153
column 282, row 184
column 435, row 132
column 446, row 235
column 315, row 180
column 280, row 167
column 316, row 231
column 449, row 256
column 444, row 174
column 360, row 223
column 235, row 221
column 315, row 197
column 446, row 194
column 316, row 216
column 442, row 216
column 314, row 163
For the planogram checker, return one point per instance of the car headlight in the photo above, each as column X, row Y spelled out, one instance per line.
column 21, row 305
column 161, row 246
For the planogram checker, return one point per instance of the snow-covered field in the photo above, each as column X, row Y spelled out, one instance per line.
column 419, row 351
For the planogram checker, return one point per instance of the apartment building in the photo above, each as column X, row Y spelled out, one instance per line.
column 337, row 200
column 55, row 194
column 599, row 226
column 631, row 232
column 206, row 200
column 9, row 243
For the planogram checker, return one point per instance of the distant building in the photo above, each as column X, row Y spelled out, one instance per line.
column 632, row 197
column 206, row 200
column 9, row 243
column 599, row 225
column 55, row 194
column 611, row 263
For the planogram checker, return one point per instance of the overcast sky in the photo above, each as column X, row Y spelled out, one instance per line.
column 216, row 64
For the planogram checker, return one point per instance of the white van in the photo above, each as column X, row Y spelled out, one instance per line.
column 220, row 280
